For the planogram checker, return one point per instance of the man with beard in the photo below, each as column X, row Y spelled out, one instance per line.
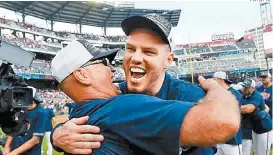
column 147, row 56
column 252, row 102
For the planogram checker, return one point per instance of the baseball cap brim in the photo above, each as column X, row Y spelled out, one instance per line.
column 37, row 100
column 264, row 76
column 245, row 85
column 110, row 54
column 134, row 22
column 228, row 81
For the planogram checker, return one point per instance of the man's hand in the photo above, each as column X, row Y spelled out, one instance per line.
column 215, row 119
column 208, row 84
column 248, row 108
column 12, row 153
column 76, row 138
column 266, row 108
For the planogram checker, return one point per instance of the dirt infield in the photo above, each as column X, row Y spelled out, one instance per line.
column 60, row 119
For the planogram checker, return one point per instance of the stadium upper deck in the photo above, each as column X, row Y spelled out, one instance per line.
column 83, row 12
column 208, row 57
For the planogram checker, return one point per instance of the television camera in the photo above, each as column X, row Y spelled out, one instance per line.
column 15, row 96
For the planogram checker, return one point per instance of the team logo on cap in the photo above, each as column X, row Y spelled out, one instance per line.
column 164, row 24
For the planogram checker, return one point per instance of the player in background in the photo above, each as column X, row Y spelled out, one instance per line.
column 262, row 142
column 49, row 127
column 252, row 101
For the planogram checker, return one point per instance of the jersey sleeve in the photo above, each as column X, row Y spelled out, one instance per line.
column 191, row 93
column 149, row 122
column 262, row 104
column 51, row 113
column 40, row 124
column 257, row 101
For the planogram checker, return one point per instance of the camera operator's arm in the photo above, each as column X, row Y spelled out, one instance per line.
column 26, row 146
column 7, row 145
column 53, row 120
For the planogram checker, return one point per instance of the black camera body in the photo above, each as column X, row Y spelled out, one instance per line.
column 15, row 96
column 14, row 92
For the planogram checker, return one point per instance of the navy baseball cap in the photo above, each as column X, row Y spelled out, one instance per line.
column 76, row 54
column 249, row 83
column 158, row 24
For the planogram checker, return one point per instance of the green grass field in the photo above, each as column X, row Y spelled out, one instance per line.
column 57, row 153
column 45, row 149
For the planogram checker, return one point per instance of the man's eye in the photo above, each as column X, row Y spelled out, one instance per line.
column 149, row 52
column 129, row 49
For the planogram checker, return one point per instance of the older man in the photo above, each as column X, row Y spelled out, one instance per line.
column 146, row 58
column 139, row 124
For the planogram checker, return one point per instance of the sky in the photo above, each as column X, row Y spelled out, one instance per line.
column 199, row 20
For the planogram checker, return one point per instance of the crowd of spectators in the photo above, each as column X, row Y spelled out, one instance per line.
column 37, row 67
column 220, row 57
column 29, row 43
column 198, row 49
column 220, row 65
column 245, row 44
column 63, row 34
column 43, row 67
column 54, row 99
column 223, row 48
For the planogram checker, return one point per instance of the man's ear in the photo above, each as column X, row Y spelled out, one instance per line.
column 169, row 60
column 81, row 75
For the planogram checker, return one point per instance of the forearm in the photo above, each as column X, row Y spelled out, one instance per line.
column 27, row 145
column 52, row 138
column 53, row 120
column 214, row 120
column 222, row 105
column 248, row 108
column 223, row 116
column 9, row 141
column 243, row 110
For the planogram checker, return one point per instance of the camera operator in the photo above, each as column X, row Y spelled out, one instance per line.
column 29, row 144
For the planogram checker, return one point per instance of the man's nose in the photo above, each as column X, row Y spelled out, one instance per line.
column 113, row 70
column 137, row 57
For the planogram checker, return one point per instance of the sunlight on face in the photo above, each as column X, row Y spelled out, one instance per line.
column 145, row 58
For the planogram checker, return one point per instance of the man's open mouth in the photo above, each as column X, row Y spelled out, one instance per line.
column 137, row 73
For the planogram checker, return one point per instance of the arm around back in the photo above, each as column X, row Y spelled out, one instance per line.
column 214, row 120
